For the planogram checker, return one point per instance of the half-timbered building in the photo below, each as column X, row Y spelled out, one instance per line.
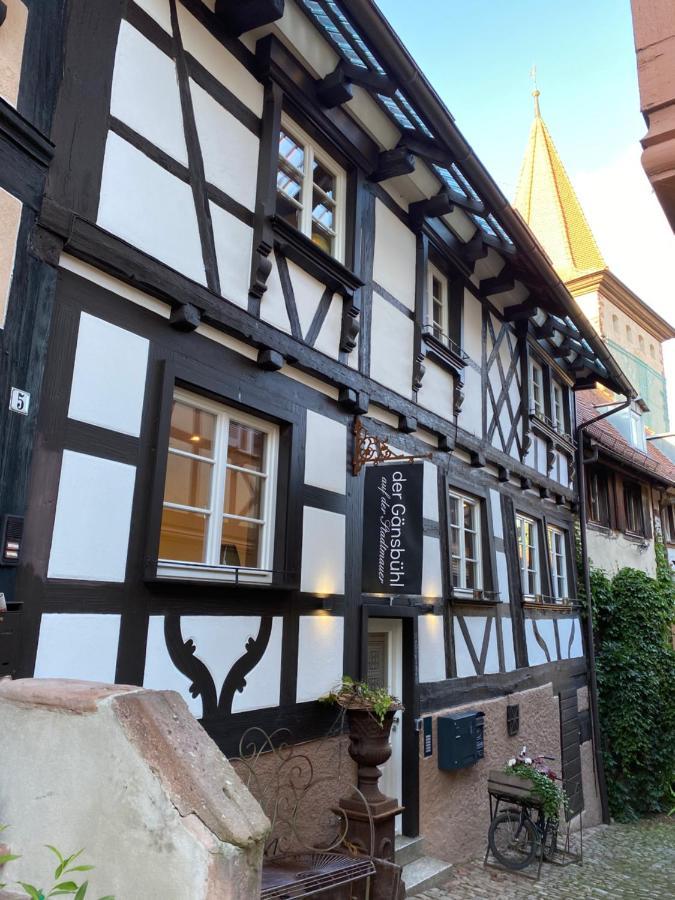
column 272, row 249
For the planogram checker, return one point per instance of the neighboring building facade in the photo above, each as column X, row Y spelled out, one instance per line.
column 630, row 489
column 654, row 27
column 257, row 232
column 631, row 329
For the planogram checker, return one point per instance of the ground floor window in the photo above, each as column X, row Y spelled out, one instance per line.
column 558, row 555
column 632, row 499
column 465, row 545
column 220, row 488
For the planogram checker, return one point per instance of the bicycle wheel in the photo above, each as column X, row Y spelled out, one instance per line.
column 513, row 839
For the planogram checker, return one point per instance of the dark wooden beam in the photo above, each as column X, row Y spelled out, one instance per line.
column 477, row 459
column 525, row 483
column 499, row 284
column 240, row 16
column 270, row 360
column 436, row 206
column 426, row 148
column 353, row 400
column 185, row 317
column 392, row 163
column 475, row 249
column 407, row 424
column 336, row 88
column 519, row 311
column 503, row 473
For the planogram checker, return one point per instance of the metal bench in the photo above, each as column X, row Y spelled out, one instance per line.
column 307, row 851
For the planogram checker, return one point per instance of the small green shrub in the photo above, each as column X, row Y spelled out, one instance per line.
column 64, row 885
column 351, row 694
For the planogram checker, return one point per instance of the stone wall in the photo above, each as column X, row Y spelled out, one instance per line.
column 130, row 776
column 454, row 806
column 611, row 551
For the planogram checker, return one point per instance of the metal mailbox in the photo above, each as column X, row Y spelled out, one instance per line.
column 460, row 740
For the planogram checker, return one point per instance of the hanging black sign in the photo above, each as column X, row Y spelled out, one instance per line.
column 392, row 529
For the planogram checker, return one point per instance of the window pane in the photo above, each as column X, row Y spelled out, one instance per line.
column 188, row 481
column 240, row 542
column 291, row 151
column 192, row 430
column 324, row 179
column 455, row 565
column 242, row 494
column 323, row 212
column 470, row 575
column 454, row 541
column 321, row 238
column 468, row 516
column 453, row 510
column 245, row 447
column 470, row 545
column 183, row 535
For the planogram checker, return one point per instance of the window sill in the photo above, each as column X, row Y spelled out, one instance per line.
column 635, row 537
column 549, row 603
column 450, row 356
column 545, row 429
column 176, row 572
column 301, row 250
column 468, row 598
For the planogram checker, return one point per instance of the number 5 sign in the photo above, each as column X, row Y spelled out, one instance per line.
column 19, row 401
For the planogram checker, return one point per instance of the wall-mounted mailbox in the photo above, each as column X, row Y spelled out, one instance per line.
column 460, row 740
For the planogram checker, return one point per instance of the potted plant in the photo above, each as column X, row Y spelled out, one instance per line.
column 530, row 780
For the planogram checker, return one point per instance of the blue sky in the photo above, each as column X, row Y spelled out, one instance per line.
column 478, row 56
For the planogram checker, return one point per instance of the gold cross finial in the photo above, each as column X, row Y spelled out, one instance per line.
column 535, row 92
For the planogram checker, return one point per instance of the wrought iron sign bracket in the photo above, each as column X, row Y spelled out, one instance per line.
column 371, row 449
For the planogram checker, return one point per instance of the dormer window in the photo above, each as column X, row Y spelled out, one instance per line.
column 637, row 431
column 310, row 190
column 537, row 405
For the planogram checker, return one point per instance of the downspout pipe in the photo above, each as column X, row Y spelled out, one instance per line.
column 590, row 644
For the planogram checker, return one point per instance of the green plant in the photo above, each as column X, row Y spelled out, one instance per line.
column 636, row 671
column 60, row 888
column 352, row 694
column 551, row 795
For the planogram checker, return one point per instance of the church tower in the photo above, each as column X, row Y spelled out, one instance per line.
column 634, row 333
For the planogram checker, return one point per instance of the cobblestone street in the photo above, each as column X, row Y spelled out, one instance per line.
column 620, row 861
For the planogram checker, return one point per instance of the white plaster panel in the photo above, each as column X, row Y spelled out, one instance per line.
column 93, row 515
column 431, row 648
column 320, row 656
column 432, row 584
column 391, row 347
column 323, row 552
column 540, row 454
column 471, row 415
column 160, row 672
column 108, row 376
column 234, row 247
column 145, row 92
column 394, row 258
column 436, row 392
column 328, row 339
column 564, row 632
column 496, row 508
column 577, row 648
column 463, row 663
column 307, row 291
column 535, row 653
column 264, row 680
column 159, row 10
column 219, row 62
column 149, row 208
column 564, row 469
column 507, row 643
column 472, row 327
column 325, row 453
column 475, row 625
column 546, row 628
column 273, row 305
column 430, row 491
column 78, row 645
column 502, row 576
column 10, row 219
column 229, row 149
column 492, row 655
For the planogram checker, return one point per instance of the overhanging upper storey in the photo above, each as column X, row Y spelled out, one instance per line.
column 459, row 199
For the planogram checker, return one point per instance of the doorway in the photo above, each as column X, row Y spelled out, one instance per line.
column 385, row 669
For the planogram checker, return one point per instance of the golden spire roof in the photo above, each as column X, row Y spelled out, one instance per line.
column 546, row 200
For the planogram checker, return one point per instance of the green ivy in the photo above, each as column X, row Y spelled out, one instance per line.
column 632, row 616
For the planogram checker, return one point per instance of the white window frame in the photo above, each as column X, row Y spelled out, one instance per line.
column 558, row 407
column 433, row 272
column 313, row 151
column 558, row 562
column 211, row 569
column 637, row 431
column 475, row 505
column 538, row 405
column 521, row 522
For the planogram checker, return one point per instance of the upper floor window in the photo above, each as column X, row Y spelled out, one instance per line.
column 528, row 554
column 637, row 431
column 438, row 303
column 538, row 406
column 669, row 523
column 632, row 501
column 310, row 190
column 465, row 547
column 558, row 407
column 219, row 494
column 598, row 497
column 558, row 556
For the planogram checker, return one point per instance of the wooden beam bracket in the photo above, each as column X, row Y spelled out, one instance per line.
column 336, row 88
column 240, row 16
column 393, row 163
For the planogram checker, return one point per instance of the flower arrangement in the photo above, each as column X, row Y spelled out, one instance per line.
column 543, row 780
column 350, row 694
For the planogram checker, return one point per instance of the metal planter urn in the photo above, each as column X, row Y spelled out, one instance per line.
column 370, row 748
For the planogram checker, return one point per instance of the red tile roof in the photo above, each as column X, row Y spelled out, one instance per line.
column 653, row 462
